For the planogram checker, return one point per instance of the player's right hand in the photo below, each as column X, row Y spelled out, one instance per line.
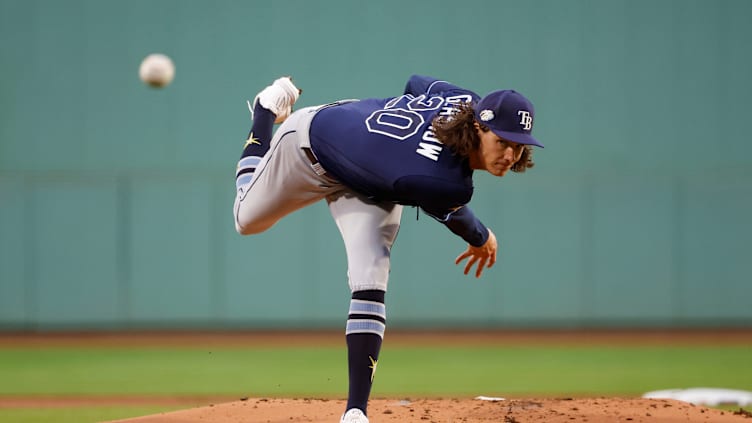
column 484, row 256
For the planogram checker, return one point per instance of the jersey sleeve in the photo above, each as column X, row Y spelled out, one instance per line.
column 419, row 84
column 465, row 224
column 446, row 203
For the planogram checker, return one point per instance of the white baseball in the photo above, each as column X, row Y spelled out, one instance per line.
column 157, row 70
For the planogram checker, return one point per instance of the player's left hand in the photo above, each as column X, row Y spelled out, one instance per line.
column 484, row 256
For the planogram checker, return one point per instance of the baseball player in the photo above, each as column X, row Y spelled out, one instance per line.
column 369, row 158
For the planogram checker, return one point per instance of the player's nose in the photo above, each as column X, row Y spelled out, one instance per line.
column 509, row 153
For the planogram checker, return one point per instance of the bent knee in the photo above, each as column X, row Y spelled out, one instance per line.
column 250, row 228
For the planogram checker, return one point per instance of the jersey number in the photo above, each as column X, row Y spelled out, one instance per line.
column 402, row 122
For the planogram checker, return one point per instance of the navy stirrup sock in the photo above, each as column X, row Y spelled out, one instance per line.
column 257, row 144
column 365, row 331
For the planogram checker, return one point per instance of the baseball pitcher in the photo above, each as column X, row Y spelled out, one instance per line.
column 368, row 158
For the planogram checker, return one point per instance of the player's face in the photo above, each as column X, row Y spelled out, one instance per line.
column 496, row 155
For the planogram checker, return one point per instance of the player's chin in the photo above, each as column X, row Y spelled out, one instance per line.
column 499, row 171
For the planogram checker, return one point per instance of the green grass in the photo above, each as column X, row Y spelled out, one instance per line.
column 321, row 372
column 75, row 414
column 563, row 371
column 402, row 370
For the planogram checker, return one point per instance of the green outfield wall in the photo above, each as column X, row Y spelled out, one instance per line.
column 115, row 198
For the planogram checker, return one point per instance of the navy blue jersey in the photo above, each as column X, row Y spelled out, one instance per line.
column 387, row 150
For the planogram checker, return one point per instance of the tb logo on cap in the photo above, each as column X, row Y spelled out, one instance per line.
column 526, row 121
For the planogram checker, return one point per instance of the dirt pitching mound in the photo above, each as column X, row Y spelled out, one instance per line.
column 591, row 410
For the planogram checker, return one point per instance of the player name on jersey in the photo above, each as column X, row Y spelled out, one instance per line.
column 431, row 147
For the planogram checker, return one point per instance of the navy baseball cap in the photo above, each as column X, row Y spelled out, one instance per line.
column 509, row 115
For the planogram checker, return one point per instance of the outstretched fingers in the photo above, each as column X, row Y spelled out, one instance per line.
column 481, row 266
column 484, row 256
column 463, row 256
column 470, row 264
column 474, row 259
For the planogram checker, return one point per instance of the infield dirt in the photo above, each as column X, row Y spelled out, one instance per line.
column 592, row 410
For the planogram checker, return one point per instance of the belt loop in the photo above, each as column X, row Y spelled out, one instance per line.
column 315, row 165
column 318, row 169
